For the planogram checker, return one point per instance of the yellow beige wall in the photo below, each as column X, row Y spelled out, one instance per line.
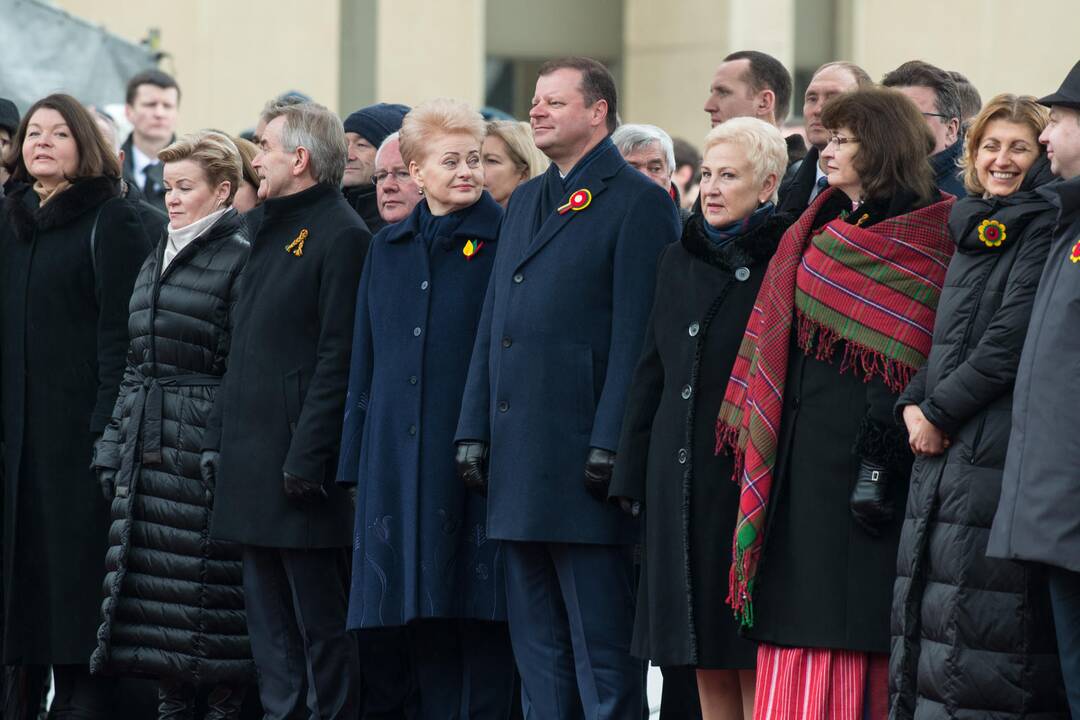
column 671, row 50
column 231, row 56
column 1001, row 45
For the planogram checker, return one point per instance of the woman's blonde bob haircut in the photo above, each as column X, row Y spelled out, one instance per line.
column 1019, row 109
column 518, row 138
column 763, row 144
column 441, row 116
column 214, row 152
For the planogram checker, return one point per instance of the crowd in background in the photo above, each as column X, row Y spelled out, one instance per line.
column 420, row 414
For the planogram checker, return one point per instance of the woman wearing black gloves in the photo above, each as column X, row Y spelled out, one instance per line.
column 961, row 621
column 667, row 464
column 174, row 601
column 842, row 322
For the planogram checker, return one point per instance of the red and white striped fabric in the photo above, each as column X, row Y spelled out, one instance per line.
column 820, row 684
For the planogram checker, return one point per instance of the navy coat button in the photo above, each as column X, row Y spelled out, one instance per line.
column 424, row 285
column 742, row 274
column 412, row 380
column 416, row 331
column 519, row 278
column 412, row 429
column 682, row 456
column 686, row 392
column 503, row 406
column 507, row 342
column 693, row 329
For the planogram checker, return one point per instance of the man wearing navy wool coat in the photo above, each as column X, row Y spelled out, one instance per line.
column 560, row 334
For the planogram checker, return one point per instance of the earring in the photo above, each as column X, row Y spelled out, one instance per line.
column 420, row 190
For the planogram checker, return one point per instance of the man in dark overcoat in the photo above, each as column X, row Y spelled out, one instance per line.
column 1038, row 515
column 561, row 330
column 277, row 421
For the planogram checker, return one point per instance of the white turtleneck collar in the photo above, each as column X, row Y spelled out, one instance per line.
column 182, row 237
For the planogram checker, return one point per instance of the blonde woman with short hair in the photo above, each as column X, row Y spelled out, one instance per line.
column 174, row 601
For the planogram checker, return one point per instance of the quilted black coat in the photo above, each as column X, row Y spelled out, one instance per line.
column 972, row 636
column 174, row 601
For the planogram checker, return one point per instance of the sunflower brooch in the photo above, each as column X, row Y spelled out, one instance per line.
column 991, row 233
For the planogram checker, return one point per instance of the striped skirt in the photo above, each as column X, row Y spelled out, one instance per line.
column 820, row 684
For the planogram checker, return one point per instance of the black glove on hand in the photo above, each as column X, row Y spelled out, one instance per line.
column 869, row 500
column 107, row 478
column 598, row 468
column 298, row 489
column 470, row 458
column 208, row 465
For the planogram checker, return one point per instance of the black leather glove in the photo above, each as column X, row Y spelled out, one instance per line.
column 298, row 489
column 107, row 478
column 870, row 504
column 598, row 468
column 470, row 458
column 208, row 465
column 627, row 505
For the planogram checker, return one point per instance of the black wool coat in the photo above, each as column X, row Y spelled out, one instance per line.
column 63, row 323
column 1036, row 517
column 174, row 599
column 667, row 459
column 823, row 581
column 363, row 199
column 953, row 651
column 282, row 399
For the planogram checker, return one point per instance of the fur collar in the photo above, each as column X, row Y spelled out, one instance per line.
column 28, row 217
column 753, row 248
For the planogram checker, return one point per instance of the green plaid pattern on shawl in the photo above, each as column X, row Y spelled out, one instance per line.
column 874, row 288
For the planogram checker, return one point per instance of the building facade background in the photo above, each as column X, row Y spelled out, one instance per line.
column 230, row 56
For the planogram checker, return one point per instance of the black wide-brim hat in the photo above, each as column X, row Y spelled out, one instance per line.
column 1069, row 92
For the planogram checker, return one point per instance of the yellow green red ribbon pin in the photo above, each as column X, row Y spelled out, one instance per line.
column 471, row 248
column 579, row 200
column 991, row 233
column 1075, row 254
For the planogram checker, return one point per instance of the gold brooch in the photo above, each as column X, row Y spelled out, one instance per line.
column 296, row 247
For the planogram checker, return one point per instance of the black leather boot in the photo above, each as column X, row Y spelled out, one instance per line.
column 176, row 700
column 224, row 702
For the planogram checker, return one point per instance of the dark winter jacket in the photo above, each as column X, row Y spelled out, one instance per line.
column 952, row 652
column 174, row 600
column 1037, row 516
column 420, row 546
column 667, row 457
column 823, row 581
column 363, row 199
column 946, row 171
column 281, row 401
column 63, row 314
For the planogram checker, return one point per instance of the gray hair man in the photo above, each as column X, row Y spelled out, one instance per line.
column 396, row 192
column 650, row 150
column 271, row 443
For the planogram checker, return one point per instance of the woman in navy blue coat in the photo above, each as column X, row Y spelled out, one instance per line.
column 421, row 556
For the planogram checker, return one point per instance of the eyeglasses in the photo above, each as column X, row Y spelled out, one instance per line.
column 839, row 140
column 401, row 176
column 937, row 115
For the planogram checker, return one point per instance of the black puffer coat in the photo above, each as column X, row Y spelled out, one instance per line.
column 174, row 601
column 972, row 636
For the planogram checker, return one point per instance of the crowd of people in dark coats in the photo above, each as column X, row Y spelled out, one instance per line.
column 415, row 414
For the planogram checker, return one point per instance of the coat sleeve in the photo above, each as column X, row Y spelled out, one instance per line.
column 990, row 369
column 360, row 370
column 913, row 394
column 212, row 436
column 318, row 430
column 474, row 420
column 650, row 224
column 120, row 247
column 107, row 448
column 632, row 458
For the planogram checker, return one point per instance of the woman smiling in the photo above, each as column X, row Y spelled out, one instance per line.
column 950, row 645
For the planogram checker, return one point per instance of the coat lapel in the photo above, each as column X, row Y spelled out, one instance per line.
column 592, row 178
